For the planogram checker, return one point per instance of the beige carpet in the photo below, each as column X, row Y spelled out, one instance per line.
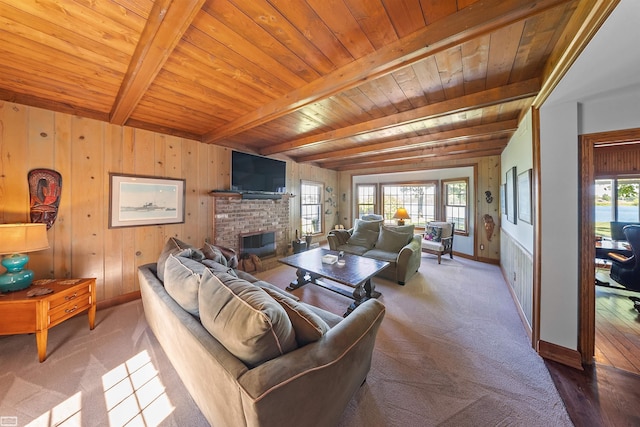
column 451, row 352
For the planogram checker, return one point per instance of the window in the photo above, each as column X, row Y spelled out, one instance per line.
column 616, row 200
column 456, row 203
column 365, row 199
column 418, row 199
column 311, row 207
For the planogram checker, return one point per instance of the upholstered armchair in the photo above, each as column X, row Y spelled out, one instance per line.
column 438, row 239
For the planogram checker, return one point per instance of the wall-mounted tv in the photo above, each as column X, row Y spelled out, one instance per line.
column 250, row 173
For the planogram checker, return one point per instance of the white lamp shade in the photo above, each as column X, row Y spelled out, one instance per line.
column 22, row 238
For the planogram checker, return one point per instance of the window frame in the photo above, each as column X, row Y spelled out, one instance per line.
column 320, row 204
column 388, row 216
column 375, row 203
column 445, row 205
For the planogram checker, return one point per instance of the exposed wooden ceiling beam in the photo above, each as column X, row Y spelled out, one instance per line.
column 431, row 151
column 499, row 95
column 425, row 162
column 482, row 17
column 167, row 22
column 435, row 139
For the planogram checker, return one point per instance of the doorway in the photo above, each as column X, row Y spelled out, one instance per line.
column 604, row 325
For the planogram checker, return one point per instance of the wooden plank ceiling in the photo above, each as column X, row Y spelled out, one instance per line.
column 342, row 84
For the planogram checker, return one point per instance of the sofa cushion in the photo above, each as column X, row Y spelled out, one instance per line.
column 392, row 241
column 365, row 238
column 308, row 326
column 216, row 267
column 367, row 225
column 175, row 246
column 244, row 319
column 433, row 233
column 182, row 281
column 351, row 249
column 371, row 217
column 266, row 285
column 380, row 255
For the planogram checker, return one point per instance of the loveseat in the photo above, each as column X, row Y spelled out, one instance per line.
column 249, row 353
column 372, row 239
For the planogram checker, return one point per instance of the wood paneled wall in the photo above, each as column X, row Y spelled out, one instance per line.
column 85, row 151
column 611, row 160
column 487, row 178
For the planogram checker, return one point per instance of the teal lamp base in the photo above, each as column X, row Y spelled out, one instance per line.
column 15, row 278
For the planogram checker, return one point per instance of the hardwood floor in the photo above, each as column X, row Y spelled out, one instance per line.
column 606, row 393
column 598, row 396
column 617, row 341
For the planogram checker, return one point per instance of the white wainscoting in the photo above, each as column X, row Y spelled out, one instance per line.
column 517, row 266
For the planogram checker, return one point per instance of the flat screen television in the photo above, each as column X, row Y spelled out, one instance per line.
column 252, row 173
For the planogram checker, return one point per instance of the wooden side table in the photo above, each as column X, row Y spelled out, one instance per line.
column 24, row 314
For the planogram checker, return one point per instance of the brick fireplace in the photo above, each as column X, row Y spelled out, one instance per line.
column 235, row 218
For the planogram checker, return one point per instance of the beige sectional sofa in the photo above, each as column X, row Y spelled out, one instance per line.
column 371, row 238
column 249, row 353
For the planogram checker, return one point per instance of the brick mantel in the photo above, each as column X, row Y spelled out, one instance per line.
column 234, row 216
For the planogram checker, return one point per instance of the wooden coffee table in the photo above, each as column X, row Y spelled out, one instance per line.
column 356, row 272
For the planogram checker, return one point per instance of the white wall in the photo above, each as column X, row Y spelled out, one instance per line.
column 519, row 153
column 601, row 92
column 462, row 244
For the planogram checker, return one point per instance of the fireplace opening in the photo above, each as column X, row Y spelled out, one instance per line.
column 262, row 244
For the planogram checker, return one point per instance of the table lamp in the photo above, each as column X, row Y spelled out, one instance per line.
column 15, row 241
column 401, row 214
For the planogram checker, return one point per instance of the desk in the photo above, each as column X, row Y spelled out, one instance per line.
column 24, row 314
column 603, row 247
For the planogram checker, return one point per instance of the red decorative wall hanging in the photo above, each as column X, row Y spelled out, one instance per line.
column 45, row 187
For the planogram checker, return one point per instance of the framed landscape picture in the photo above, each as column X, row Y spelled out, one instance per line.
column 511, row 195
column 524, row 196
column 137, row 200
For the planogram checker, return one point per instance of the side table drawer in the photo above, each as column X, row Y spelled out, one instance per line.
column 60, row 298
column 69, row 308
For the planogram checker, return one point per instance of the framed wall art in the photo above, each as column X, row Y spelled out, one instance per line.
column 524, row 196
column 137, row 200
column 511, row 196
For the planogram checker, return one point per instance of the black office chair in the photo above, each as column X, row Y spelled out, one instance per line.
column 626, row 270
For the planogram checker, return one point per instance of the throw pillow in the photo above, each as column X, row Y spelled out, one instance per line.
column 365, row 238
column 433, row 233
column 390, row 240
column 245, row 319
column 360, row 225
column 228, row 253
column 175, row 246
column 182, row 281
column 309, row 327
column 213, row 253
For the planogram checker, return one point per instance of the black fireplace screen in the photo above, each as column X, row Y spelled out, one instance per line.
column 262, row 245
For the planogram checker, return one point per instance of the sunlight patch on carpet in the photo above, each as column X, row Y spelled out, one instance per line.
column 134, row 393
column 65, row 414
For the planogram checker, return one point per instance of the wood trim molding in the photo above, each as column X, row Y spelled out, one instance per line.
column 120, row 299
column 586, row 262
column 584, row 23
column 560, row 354
column 537, row 224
